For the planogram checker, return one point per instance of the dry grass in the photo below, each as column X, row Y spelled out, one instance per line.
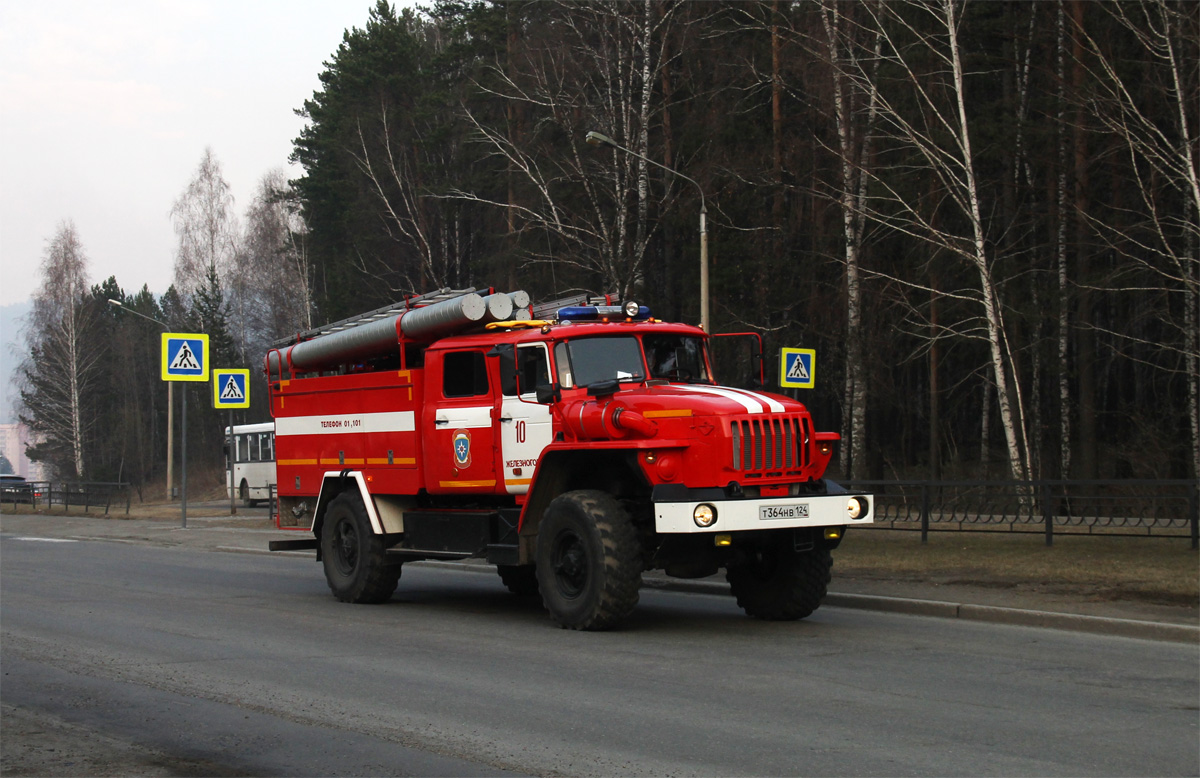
column 1154, row 569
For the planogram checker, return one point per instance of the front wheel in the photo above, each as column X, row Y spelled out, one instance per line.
column 780, row 584
column 356, row 564
column 589, row 567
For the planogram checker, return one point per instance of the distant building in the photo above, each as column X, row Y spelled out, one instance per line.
column 13, row 440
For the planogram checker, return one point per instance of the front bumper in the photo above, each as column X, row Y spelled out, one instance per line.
column 813, row 510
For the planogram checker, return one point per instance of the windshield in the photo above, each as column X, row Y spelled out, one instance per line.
column 590, row 360
column 586, row 361
column 675, row 358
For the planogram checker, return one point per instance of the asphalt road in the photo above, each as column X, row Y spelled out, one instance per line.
column 244, row 664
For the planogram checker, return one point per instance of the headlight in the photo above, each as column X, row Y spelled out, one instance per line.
column 857, row 507
column 704, row 515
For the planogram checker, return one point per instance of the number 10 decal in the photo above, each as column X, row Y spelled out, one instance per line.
column 520, row 430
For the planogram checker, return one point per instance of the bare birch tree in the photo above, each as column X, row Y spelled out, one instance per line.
column 64, row 357
column 855, row 123
column 397, row 164
column 598, row 73
column 1060, row 252
column 272, row 279
column 1152, row 112
column 922, row 113
column 205, row 225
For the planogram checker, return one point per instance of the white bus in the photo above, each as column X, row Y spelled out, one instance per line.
column 252, row 464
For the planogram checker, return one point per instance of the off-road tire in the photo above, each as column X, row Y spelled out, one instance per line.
column 356, row 564
column 780, row 584
column 521, row 580
column 589, row 566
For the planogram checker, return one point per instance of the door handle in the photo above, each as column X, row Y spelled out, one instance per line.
column 441, row 421
column 505, row 418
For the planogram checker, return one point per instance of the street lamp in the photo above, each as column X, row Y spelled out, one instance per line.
column 170, row 400
column 596, row 139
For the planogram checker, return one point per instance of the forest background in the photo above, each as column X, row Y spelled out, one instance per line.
column 984, row 216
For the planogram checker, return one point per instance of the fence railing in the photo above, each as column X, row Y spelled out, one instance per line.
column 1128, row 507
column 85, row 494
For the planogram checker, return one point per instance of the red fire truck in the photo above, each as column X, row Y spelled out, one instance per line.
column 574, row 445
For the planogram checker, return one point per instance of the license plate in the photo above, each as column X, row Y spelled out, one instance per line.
column 776, row 512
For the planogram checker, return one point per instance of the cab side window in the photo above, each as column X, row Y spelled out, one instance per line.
column 534, row 367
column 464, row 374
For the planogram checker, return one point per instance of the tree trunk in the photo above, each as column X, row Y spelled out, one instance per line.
column 1010, row 417
column 1064, row 304
column 1085, row 338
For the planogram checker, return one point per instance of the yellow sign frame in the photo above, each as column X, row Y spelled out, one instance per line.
column 219, row 374
column 798, row 354
column 170, row 347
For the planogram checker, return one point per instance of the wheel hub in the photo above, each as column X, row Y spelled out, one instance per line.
column 570, row 565
column 347, row 546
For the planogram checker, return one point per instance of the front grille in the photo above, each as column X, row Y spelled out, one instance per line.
column 770, row 443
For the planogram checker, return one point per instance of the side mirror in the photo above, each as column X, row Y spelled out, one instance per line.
column 548, row 394
column 502, row 350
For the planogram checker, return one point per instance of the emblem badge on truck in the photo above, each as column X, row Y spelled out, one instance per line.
column 462, row 448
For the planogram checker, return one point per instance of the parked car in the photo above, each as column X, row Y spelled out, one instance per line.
column 14, row 488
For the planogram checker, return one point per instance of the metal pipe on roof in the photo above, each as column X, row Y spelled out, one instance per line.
column 382, row 337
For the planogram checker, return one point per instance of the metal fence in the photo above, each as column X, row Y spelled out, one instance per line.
column 85, row 494
column 1128, row 507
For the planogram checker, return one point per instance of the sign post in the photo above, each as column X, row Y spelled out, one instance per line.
column 231, row 389
column 184, row 358
column 797, row 368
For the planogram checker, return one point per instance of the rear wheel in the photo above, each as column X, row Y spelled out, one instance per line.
column 244, row 494
column 780, row 584
column 356, row 564
column 589, row 566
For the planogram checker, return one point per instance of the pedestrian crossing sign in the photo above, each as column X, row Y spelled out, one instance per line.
column 231, row 388
column 184, row 357
column 796, row 368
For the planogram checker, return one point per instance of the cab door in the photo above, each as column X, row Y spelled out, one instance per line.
column 462, row 456
column 524, row 426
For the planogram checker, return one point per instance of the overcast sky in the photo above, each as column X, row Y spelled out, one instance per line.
column 106, row 108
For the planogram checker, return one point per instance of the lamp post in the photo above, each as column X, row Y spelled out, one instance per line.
column 170, row 400
column 596, row 139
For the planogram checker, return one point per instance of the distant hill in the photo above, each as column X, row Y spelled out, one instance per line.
column 12, row 320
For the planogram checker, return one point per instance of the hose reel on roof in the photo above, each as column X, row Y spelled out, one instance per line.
column 377, row 338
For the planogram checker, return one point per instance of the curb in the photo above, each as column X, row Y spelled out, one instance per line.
column 1017, row 617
